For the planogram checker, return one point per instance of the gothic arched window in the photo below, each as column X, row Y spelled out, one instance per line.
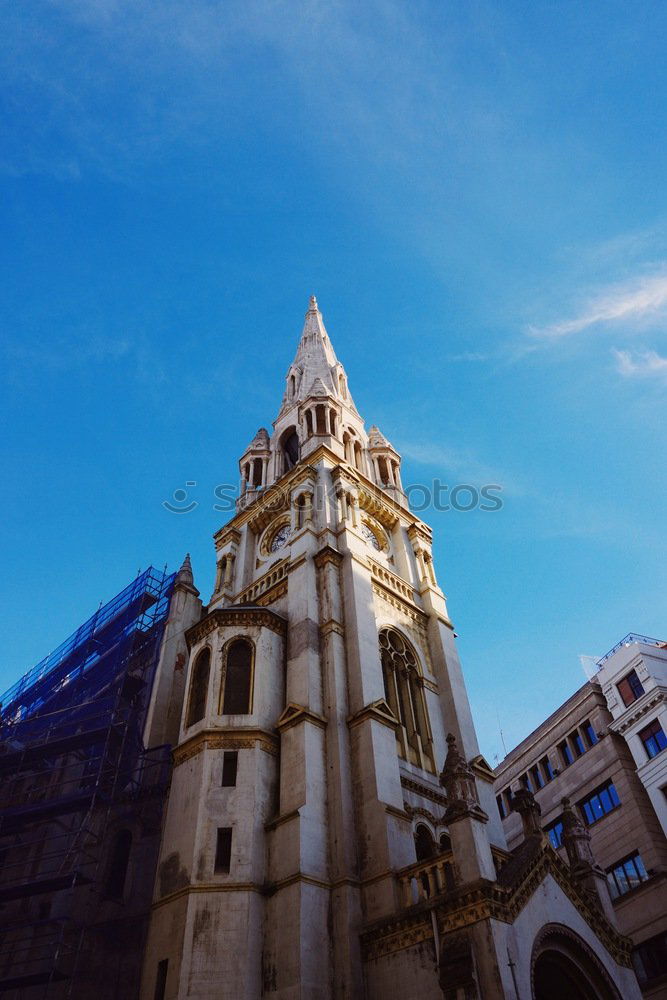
column 309, row 423
column 404, row 690
column 199, row 687
column 237, row 679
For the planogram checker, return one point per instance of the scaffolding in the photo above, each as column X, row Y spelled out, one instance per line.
column 73, row 767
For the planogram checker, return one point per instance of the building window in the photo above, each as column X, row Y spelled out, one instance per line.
column 650, row 959
column 601, row 802
column 403, row 686
column 199, row 687
column 114, row 885
column 577, row 743
column 547, row 769
column 565, row 753
column 525, row 782
column 626, row 875
column 237, row 678
column 161, row 979
column 589, row 733
column 630, row 688
column 230, row 762
column 424, row 843
column 538, row 780
column 223, row 850
column 501, row 806
column 653, row 738
column 554, row 832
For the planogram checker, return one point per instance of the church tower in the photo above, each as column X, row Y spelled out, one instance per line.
column 311, row 848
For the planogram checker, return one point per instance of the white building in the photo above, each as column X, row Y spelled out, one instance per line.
column 310, row 849
column 633, row 677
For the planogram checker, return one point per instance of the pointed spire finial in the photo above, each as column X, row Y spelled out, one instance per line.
column 312, row 305
column 185, row 572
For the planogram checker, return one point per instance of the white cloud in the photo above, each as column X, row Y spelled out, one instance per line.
column 641, row 364
column 638, row 303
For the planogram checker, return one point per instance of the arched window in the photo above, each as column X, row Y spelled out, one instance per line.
column 346, row 447
column 292, row 386
column 237, row 679
column 114, row 885
column 404, row 691
column 382, row 469
column 424, row 843
column 309, row 423
column 199, row 687
column 289, row 444
column 321, row 418
column 357, row 456
column 332, row 421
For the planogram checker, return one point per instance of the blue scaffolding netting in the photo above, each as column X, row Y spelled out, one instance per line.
column 138, row 608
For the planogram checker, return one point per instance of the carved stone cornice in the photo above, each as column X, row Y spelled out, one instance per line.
column 226, row 536
column 639, row 709
column 379, row 711
column 425, row 791
column 234, row 616
column 331, row 626
column 240, row 738
column 420, row 532
column 295, row 714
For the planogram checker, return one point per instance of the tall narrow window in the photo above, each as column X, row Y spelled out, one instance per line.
column 257, row 472
column 118, row 862
column 223, row 850
column 332, row 421
column 199, row 687
column 554, row 832
column 589, row 733
column 547, row 769
column 538, row 780
column 321, row 418
column 566, row 753
column 290, row 449
column 501, row 807
column 309, row 423
column 237, row 680
column 161, row 979
column 653, row 738
column 630, row 688
column 577, row 743
column 403, row 686
column 230, row 763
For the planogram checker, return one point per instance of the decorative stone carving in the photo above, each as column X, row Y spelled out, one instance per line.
column 458, row 781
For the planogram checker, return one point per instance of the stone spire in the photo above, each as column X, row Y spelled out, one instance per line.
column 315, row 371
column 577, row 844
column 184, row 577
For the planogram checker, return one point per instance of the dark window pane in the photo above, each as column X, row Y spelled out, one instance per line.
column 578, row 744
column 223, row 849
column 229, row 767
column 238, row 675
column 589, row 733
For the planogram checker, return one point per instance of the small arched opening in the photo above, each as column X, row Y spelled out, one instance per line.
column 424, row 843
column 289, row 445
column 321, row 418
column 309, row 423
column 257, row 472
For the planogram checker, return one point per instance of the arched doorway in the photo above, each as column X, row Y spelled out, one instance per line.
column 564, row 966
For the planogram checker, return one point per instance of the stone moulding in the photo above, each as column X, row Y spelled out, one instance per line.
column 232, row 616
column 658, row 695
column 294, row 714
column 229, row 739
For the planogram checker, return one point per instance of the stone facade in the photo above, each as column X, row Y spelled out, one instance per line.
column 576, row 752
column 311, row 848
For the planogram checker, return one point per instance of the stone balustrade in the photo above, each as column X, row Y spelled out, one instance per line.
column 426, row 879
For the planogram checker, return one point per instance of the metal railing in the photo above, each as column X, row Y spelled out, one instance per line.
column 630, row 639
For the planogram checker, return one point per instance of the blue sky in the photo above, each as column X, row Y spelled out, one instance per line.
column 475, row 192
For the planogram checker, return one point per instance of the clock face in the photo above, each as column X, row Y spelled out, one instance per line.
column 370, row 536
column 280, row 538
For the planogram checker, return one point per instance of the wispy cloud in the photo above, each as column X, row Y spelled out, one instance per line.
column 641, row 364
column 636, row 303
